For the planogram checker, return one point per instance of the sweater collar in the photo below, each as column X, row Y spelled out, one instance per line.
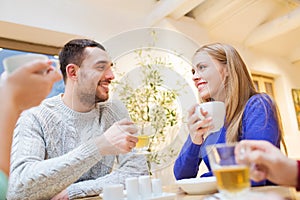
column 59, row 104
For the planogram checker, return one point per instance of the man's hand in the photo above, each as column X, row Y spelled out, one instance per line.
column 63, row 195
column 118, row 139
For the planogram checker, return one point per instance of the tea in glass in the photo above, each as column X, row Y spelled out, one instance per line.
column 233, row 179
column 145, row 132
column 143, row 141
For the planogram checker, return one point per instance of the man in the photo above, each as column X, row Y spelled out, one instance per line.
column 65, row 147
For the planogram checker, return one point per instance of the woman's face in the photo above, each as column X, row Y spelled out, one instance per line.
column 209, row 76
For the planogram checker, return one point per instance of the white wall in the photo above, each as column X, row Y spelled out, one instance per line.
column 79, row 17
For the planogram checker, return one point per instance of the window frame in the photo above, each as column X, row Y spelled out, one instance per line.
column 28, row 47
column 262, row 80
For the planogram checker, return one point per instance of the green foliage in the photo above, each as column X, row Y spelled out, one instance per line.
column 152, row 103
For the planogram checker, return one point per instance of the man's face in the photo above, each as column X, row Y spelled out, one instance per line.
column 94, row 76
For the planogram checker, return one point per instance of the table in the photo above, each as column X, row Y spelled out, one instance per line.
column 287, row 193
column 284, row 192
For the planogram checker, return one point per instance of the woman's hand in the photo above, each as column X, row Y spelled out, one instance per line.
column 198, row 128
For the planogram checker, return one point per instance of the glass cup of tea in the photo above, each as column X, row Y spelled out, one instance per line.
column 144, row 135
column 233, row 179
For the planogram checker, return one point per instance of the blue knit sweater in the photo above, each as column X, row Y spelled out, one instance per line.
column 258, row 123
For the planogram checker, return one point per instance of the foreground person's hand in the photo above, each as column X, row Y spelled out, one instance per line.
column 27, row 86
column 267, row 162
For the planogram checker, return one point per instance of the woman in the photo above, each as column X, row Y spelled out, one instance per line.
column 220, row 74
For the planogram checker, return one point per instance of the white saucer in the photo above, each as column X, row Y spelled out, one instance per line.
column 249, row 195
column 205, row 185
column 163, row 196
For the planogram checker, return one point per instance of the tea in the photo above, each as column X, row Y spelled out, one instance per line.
column 232, row 179
column 144, row 141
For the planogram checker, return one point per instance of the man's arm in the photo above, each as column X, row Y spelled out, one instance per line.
column 129, row 164
column 32, row 176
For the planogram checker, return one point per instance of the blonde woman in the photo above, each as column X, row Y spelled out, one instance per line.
column 220, row 74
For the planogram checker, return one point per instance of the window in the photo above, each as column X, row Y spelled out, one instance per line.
column 12, row 47
column 264, row 83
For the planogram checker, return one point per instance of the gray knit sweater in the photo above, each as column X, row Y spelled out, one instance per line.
column 53, row 149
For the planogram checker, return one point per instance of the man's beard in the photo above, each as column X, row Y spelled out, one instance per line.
column 101, row 98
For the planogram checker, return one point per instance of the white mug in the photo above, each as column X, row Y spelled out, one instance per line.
column 156, row 187
column 214, row 109
column 113, row 192
column 132, row 188
column 13, row 62
column 145, row 186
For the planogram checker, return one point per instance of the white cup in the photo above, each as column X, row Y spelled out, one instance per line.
column 145, row 186
column 113, row 192
column 214, row 109
column 132, row 188
column 13, row 62
column 156, row 187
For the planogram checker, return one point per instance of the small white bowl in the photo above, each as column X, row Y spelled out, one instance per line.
column 205, row 185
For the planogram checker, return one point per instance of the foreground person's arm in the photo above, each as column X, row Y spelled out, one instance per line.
column 22, row 89
column 19, row 91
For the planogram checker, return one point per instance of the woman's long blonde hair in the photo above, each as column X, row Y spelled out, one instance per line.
column 239, row 87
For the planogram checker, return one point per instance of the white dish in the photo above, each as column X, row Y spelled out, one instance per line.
column 205, row 185
column 163, row 196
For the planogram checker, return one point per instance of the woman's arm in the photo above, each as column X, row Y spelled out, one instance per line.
column 188, row 160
